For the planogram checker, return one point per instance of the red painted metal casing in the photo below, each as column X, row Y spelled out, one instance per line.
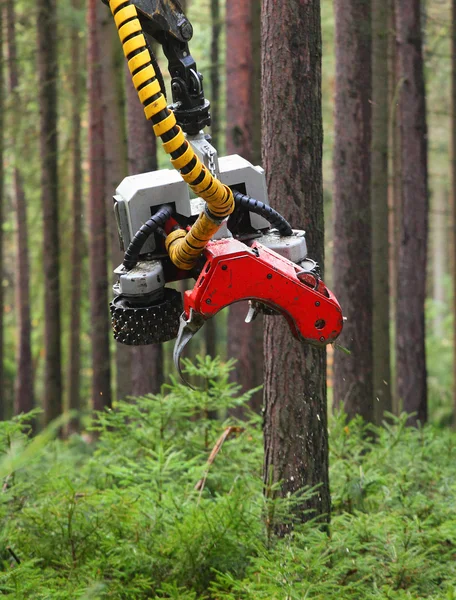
column 235, row 272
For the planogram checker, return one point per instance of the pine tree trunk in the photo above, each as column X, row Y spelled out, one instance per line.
column 3, row 408
column 48, row 79
column 353, row 373
column 411, row 285
column 295, row 425
column 210, row 329
column 147, row 361
column 115, row 164
column 24, row 394
column 453, row 188
column 439, row 258
column 77, row 233
column 380, row 212
column 244, row 341
column 99, row 313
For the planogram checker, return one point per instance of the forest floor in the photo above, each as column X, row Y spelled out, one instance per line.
column 124, row 518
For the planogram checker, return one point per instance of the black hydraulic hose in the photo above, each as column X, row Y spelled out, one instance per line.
column 260, row 208
column 157, row 221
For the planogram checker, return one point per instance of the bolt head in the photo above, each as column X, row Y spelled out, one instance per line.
column 186, row 30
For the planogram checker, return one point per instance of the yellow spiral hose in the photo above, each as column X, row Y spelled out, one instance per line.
column 183, row 248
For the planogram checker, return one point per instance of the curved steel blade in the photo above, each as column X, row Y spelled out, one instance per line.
column 187, row 330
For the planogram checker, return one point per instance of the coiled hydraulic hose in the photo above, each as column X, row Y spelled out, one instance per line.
column 183, row 248
column 155, row 222
column 245, row 202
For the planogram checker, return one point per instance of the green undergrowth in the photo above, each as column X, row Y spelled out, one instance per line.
column 140, row 514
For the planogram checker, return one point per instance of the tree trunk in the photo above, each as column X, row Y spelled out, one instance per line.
column 48, row 79
column 353, row 373
column 295, row 425
column 99, row 314
column 244, row 341
column 147, row 361
column 439, row 248
column 115, row 165
column 77, row 234
column 3, row 410
column 24, row 394
column 453, row 188
column 411, row 285
column 210, row 329
column 380, row 213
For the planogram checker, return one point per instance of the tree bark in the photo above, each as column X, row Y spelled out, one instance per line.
column 3, row 408
column 439, row 256
column 77, row 233
column 453, row 188
column 48, row 77
column 295, row 425
column 99, row 314
column 380, row 212
column 115, row 165
column 24, row 394
column 210, row 329
column 147, row 361
column 411, row 285
column 353, row 373
column 244, row 341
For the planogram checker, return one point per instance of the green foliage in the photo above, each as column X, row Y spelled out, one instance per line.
column 122, row 517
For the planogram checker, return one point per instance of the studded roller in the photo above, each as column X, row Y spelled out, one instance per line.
column 145, row 325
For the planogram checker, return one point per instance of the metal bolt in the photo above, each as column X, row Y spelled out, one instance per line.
column 317, row 304
column 322, row 339
column 224, row 267
column 186, row 30
column 208, row 301
column 269, row 275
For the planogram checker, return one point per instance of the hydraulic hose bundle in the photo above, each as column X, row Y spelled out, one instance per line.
column 183, row 247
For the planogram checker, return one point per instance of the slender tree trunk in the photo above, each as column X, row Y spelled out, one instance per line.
column 3, row 411
column 77, row 234
column 147, row 361
column 439, row 262
column 115, row 164
column 48, row 80
column 101, row 385
column 395, row 201
column 295, row 425
column 256, row 82
column 380, row 216
column 453, row 189
column 24, row 395
column 353, row 373
column 244, row 341
column 411, row 286
column 210, row 329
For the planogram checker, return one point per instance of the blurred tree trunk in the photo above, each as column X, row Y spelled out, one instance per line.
column 453, row 186
column 244, row 341
column 411, row 285
column 439, row 252
column 24, row 394
column 99, row 314
column 115, row 165
column 353, row 373
column 48, row 78
column 256, row 86
column 210, row 329
column 147, row 361
column 77, row 234
column 3, row 410
column 295, row 425
column 380, row 214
